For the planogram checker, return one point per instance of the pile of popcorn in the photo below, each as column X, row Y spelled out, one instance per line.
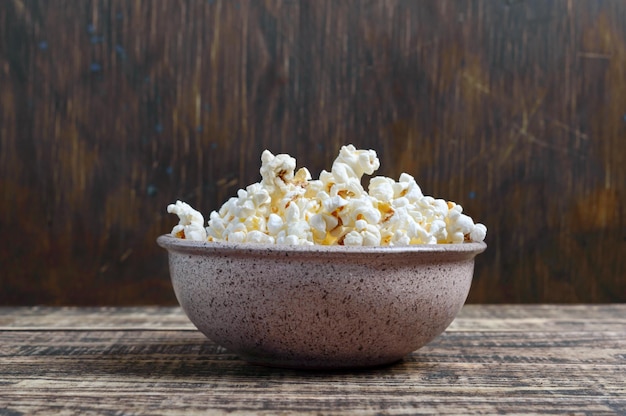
column 288, row 207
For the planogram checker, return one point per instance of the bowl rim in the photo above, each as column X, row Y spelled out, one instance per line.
column 169, row 242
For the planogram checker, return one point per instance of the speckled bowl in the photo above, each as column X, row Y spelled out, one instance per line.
column 320, row 307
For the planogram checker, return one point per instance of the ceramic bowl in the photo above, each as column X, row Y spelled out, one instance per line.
column 320, row 307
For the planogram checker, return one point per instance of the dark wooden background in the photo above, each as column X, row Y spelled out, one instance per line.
column 109, row 110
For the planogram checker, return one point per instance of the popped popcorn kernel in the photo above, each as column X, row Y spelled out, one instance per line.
column 191, row 222
column 289, row 207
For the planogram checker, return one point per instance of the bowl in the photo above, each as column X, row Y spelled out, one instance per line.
column 320, row 307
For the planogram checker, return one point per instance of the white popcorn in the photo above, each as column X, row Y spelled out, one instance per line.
column 381, row 188
column 318, row 223
column 275, row 224
column 438, row 230
column 259, row 237
column 237, row 237
column 400, row 238
column 292, row 213
column 332, row 204
column 353, row 238
column 478, row 233
column 364, row 234
column 360, row 209
column 353, row 163
column 191, row 222
column 276, row 171
column 288, row 207
column 412, row 191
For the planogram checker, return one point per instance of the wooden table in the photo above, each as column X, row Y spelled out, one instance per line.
column 493, row 359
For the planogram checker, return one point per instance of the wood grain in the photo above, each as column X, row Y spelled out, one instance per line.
column 110, row 110
column 491, row 361
column 504, row 318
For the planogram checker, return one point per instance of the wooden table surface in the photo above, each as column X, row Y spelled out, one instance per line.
column 146, row 360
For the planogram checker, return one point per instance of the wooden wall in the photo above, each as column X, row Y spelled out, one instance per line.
column 110, row 110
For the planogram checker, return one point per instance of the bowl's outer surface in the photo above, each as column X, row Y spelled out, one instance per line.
column 320, row 307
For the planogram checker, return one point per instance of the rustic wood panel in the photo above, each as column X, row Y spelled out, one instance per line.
column 109, row 110
column 483, row 365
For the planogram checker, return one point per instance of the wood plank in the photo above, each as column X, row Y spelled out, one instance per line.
column 610, row 317
column 578, row 369
column 547, row 318
column 111, row 109
column 104, row 318
column 182, row 371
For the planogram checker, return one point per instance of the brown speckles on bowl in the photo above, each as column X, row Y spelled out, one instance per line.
column 319, row 306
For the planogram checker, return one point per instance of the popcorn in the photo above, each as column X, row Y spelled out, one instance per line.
column 478, row 233
column 276, row 171
column 288, row 207
column 191, row 224
column 381, row 188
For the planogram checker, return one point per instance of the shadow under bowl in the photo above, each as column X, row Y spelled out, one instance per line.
column 320, row 307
